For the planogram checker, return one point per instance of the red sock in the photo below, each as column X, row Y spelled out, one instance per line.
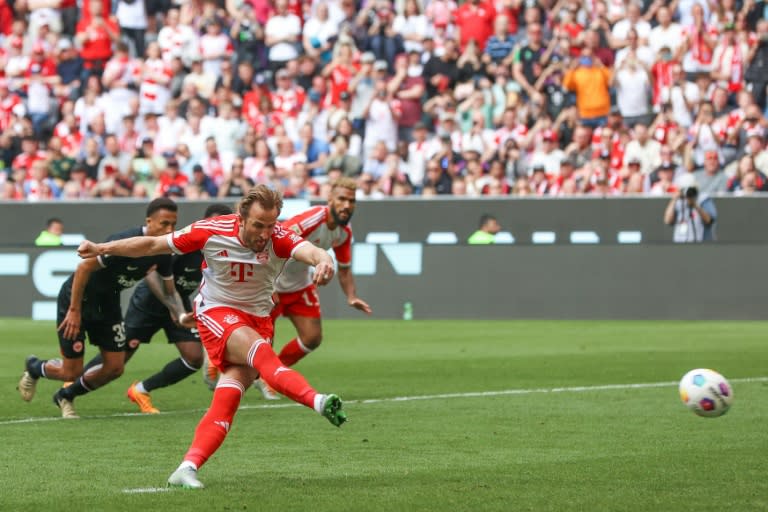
column 214, row 426
column 284, row 380
column 293, row 352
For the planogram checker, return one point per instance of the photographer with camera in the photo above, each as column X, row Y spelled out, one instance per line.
column 692, row 215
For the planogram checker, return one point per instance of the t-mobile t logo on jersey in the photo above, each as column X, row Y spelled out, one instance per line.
column 240, row 271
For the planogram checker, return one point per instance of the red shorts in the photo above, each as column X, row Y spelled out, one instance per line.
column 216, row 324
column 304, row 302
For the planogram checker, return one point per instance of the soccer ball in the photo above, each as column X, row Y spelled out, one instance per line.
column 706, row 392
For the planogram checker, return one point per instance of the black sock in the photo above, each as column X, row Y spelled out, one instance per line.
column 173, row 372
column 35, row 368
column 97, row 360
column 77, row 388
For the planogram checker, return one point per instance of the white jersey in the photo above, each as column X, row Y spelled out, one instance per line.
column 233, row 275
column 312, row 226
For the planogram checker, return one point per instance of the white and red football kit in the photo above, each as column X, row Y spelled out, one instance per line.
column 237, row 285
column 295, row 290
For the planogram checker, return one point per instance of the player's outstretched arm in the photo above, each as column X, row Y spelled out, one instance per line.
column 134, row 247
column 318, row 258
column 166, row 292
column 347, row 283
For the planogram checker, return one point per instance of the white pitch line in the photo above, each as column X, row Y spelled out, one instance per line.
column 143, row 490
column 442, row 396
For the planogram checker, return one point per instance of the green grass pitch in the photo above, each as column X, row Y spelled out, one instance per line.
column 455, row 446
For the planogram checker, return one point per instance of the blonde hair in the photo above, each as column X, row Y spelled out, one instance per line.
column 267, row 198
column 344, row 182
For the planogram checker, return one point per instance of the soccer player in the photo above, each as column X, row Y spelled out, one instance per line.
column 89, row 304
column 146, row 315
column 328, row 228
column 243, row 253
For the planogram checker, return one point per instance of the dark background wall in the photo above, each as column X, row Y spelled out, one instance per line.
column 722, row 281
column 740, row 220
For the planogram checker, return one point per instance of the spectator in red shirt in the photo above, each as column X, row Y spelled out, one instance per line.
column 474, row 20
column 171, row 177
column 95, row 36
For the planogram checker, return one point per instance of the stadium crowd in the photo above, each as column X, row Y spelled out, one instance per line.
column 197, row 99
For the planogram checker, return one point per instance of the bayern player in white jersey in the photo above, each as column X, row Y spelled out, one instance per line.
column 243, row 254
column 328, row 228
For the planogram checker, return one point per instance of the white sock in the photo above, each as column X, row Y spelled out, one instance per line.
column 303, row 347
column 188, row 464
column 319, row 402
column 140, row 387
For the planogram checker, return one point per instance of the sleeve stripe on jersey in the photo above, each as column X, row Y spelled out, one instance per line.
column 171, row 244
column 220, row 225
column 312, row 221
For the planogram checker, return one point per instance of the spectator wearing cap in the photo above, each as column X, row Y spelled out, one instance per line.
column 203, row 185
column 412, row 25
column 710, row 177
column 407, row 87
column 549, row 155
column 539, row 181
column 363, row 83
column 341, row 111
column 69, row 66
column 565, row 182
column 441, row 73
column 282, row 36
column 590, row 80
column 661, row 182
column 95, row 36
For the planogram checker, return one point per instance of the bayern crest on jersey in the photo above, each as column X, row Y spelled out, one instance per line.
column 231, row 319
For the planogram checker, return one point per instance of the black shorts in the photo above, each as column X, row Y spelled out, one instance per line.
column 141, row 325
column 102, row 323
